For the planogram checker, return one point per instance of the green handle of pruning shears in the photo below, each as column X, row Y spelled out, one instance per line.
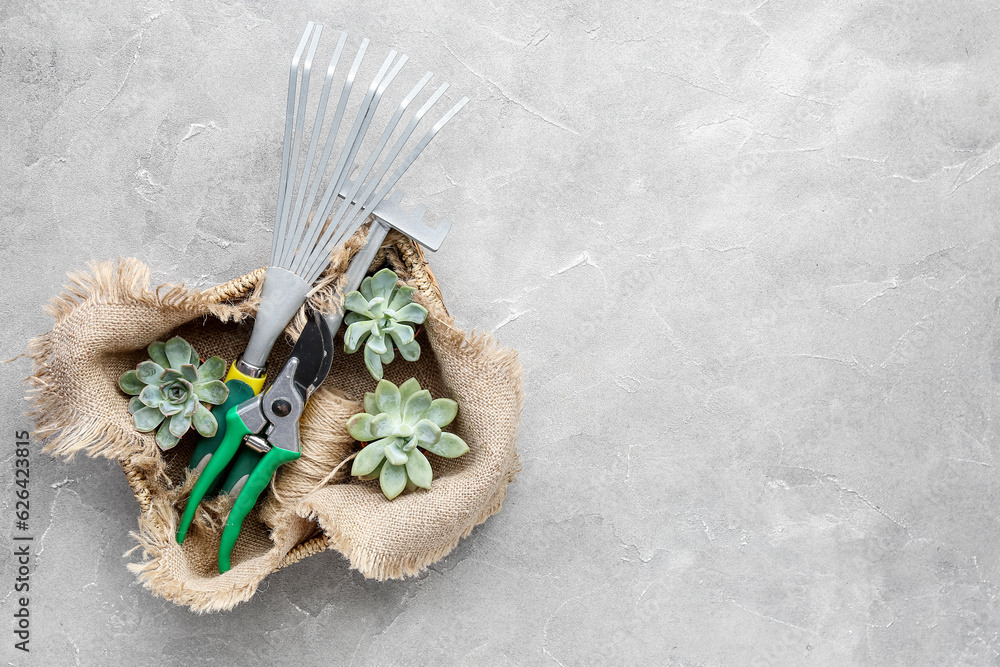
column 255, row 485
column 239, row 391
column 245, row 463
column 236, row 430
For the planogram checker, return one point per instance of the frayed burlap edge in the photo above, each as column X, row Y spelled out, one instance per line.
column 382, row 566
column 155, row 573
column 68, row 431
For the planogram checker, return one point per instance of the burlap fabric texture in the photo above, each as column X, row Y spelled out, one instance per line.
column 107, row 317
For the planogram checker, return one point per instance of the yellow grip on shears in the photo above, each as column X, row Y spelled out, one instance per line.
column 254, row 383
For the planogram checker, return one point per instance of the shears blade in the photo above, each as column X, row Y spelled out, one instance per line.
column 314, row 350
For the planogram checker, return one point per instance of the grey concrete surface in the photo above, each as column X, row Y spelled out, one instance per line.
column 747, row 251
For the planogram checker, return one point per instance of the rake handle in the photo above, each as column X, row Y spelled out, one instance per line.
column 359, row 267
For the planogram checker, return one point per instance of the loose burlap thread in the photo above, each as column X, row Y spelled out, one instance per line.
column 105, row 319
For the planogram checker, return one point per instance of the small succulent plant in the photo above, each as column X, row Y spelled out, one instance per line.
column 379, row 312
column 397, row 423
column 171, row 391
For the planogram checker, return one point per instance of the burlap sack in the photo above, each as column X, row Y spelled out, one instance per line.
column 107, row 317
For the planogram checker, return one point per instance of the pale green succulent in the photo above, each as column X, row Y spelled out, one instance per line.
column 171, row 391
column 402, row 421
column 379, row 312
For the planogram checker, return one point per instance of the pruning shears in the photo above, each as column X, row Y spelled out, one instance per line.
column 264, row 431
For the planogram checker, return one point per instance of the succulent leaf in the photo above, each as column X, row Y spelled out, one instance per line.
column 190, row 372
column 164, row 438
column 130, row 383
column 392, row 479
column 373, row 363
column 204, row 421
column 214, row 391
column 359, row 426
column 383, row 283
column 179, row 424
column 195, row 360
column 410, row 352
column 427, row 432
column 375, row 308
column 387, row 356
column 388, row 398
column 213, row 369
column 403, row 296
column 178, row 352
column 370, row 457
column 147, row 419
column 418, row 469
column 371, row 406
column 350, row 318
column 400, row 419
column 407, row 389
column 416, row 405
column 402, row 334
column 412, row 312
column 395, row 455
column 149, row 372
column 170, row 409
column 150, row 395
column 376, row 342
column 449, row 446
column 158, row 354
column 381, row 425
column 356, row 302
column 366, row 289
column 442, row 411
column 356, row 334
column 374, row 474
column 135, row 404
column 169, row 375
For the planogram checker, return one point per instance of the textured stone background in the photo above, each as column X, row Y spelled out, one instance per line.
column 746, row 250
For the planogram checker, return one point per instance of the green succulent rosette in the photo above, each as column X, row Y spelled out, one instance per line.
column 171, row 390
column 381, row 314
column 398, row 422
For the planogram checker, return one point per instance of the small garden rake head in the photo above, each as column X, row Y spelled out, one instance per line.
column 309, row 226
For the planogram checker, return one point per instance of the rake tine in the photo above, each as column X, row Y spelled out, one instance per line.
column 367, row 122
column 317, row 129
column 362, row 203
column 293, row 77
column 300, row 116
column 332, row 223
column 367, row 199
column 416, row 151
column 301, row 223
column 337, row 183
column 319, row 220
column 332, row 237
column 394, row 178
